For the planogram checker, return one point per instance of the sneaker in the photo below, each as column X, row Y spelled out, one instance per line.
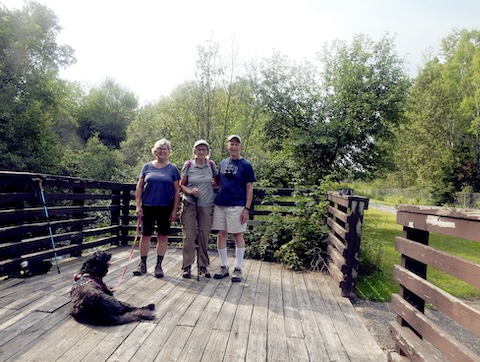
column 237, row 275
column 222, row 273
column 141, row 269
column 158, row 271
column 204, row 272
column 187, row 274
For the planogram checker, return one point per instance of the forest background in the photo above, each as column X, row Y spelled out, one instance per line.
column 353, row 114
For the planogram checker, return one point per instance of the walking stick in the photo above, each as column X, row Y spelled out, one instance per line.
column 196, row 242
column 45, row 209
column 137, row 236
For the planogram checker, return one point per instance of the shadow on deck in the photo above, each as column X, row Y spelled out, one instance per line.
column 274, row 314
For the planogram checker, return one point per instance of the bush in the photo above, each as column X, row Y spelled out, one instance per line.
column 296, row 241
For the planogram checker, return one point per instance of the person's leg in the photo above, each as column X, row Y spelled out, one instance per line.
column 144, row 245
column 204, row 228
column 163, row 222
column 222, row 246
column 222, row 252
column 189, row 221
column 239, row 255
column 236, row 228
column 239, row 249
column 219, row 223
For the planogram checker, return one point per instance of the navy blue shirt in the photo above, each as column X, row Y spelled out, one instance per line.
column 158, row 188
column 233, row 190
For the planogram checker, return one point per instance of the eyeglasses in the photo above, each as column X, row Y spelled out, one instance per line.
column 202, row 149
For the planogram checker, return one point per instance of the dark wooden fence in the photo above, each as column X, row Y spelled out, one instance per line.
column 43, row 215
column 50, row 217
column 46, row 216
column 345, row 220
column 413, row 332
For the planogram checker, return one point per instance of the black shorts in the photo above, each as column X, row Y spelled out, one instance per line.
column 159, row 215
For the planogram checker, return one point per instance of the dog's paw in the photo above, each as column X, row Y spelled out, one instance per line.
column 150, row 307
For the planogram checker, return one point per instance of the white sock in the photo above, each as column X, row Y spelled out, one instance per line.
column 223, row 256
column 239, row 253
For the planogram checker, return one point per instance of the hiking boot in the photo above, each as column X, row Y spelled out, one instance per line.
column 205, row 272
column 222, row 273
column 158, row 271
column 187, row 274
column 237, row 275
column 141, row 269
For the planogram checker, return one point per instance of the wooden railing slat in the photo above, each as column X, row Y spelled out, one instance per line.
column 462, row 269
column 445, row 342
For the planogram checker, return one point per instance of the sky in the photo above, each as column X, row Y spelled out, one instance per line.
column 150, row 46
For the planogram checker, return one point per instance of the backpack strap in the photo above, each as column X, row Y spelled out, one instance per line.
column 212, row 166
column 189, row 163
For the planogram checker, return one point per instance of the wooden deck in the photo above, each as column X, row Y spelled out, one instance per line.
column 273, row 315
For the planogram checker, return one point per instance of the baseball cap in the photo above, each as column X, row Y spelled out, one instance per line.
column 200, row 142
column 234, row 136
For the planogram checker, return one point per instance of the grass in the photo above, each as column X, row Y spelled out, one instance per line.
column 378, row 256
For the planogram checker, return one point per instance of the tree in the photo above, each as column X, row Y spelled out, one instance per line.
column 29, row 88
column 439, row 148
column 365, row 85
column 338, row 122
column 95, row 161
column 217, row 103
column 107, row 111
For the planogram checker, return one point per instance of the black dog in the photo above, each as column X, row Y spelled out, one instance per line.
column 94, row 303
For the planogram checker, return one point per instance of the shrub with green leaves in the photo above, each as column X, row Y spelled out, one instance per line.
column 297, row 240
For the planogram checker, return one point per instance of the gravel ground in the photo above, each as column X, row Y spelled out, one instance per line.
column 377, row 316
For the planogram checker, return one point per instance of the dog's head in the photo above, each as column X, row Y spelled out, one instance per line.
column 97, row 265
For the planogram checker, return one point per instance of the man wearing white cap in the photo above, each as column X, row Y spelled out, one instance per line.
column 232, row 206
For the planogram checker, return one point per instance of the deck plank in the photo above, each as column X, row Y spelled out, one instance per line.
column 277, row 348
column 274, row 314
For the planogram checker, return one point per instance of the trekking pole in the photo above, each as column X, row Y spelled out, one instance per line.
column 196, row 240
column 45, row 209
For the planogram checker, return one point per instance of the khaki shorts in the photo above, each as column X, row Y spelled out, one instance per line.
column 228, row 218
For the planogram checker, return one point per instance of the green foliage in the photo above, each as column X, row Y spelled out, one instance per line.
column 96, row 161
column 365, row 86
column 338, row 122
column 29, row 88
column 377, row 256
column 107, row 111
column 297, row 241
column 439, row 149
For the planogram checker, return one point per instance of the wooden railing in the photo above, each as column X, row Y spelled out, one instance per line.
column 46, row 216
column 345, row 220
column 42, row 216
column 413, row 329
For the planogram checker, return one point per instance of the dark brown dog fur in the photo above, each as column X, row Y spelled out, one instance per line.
column 93, row 302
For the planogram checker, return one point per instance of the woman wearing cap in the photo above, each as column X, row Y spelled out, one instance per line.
column 196, row 183
column 232, row 206
column 157, row 198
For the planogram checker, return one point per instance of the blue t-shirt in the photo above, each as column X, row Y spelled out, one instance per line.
column 158, row 188
column 233, row 190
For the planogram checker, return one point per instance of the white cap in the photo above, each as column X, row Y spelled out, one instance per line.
column 234, row 136
column 200, row 142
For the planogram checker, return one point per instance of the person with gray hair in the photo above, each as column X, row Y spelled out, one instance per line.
column 196, row 183
column 157, row 198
